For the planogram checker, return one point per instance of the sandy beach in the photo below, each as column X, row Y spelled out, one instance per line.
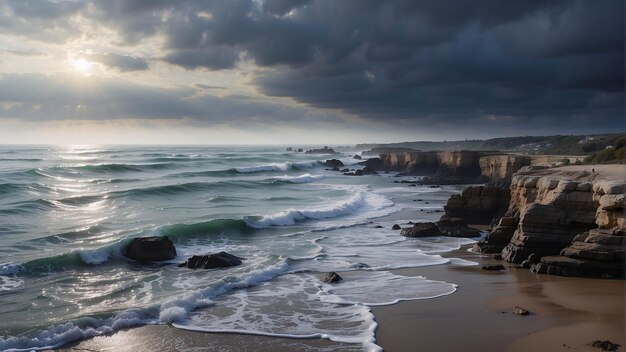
column 566, row 314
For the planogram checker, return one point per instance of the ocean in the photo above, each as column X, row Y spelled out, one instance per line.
column 66, row 214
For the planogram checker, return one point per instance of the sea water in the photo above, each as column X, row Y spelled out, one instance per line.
column 66, row 214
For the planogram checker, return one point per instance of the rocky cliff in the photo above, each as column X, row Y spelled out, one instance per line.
column 497, row 167
column 572, row 222
column 478, row 204
column 447, row 163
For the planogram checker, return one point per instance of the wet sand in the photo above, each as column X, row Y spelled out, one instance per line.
column 566, row 314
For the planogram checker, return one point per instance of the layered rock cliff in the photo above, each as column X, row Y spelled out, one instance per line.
column 478, row 204
column 448, row 163
column 497, row 167
column 571, row 222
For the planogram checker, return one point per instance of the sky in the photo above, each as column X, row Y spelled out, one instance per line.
column 307, row 71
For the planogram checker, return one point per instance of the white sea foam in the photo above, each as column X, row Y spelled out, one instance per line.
column 268, row 167
column 100, row 255
column 8, row 279
column 304, row 178
column 59, row 335
column 276, row 167
column 297, row 312
column 361, row 201
column 384, row 288
column 177, row 309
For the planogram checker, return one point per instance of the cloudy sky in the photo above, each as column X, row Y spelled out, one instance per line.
column 308, row 71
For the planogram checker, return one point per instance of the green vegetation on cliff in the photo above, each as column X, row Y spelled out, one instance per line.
column 543, row 145
column 612, row 153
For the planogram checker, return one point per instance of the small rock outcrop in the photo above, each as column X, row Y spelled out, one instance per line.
column 148, row 249
column 605, row 345
column 211, row 261
column 456, row 227
column 421, row 229
column 478, row 204
column 331, row 278
column 444, row 227
column 396, row 227
column 357, row 157
column 520, row 311
column 498, row 237
column 497, row 267
column 333, row 163
column 324, row 150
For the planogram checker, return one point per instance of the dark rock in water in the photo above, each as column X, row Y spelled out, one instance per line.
column 348, row 173
column 378, row 226
column 331, row 277
column 456, row 227
column 369, row 171
column 412, row 185
column 396, row 227
column 147, row 249
column 374, row 163
column 497, row 267
column 605, row 345
column 300, row 150
column 333, row 163
column 520, row 311
column 421, row 229
column 324, row 150
column 357, row 157
column 345, row 170
column 289, row 149
column 218, row 260
column 335, row 169
column 358, row 173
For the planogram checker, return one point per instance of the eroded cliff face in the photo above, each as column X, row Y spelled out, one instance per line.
column 497, row 167
column 447, row 163
column 547, row 215
column 477, row 204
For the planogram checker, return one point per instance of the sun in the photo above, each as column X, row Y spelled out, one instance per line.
column 81, row 65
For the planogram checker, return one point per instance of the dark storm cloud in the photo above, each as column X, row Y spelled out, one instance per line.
column 444, row 62
column 122, row 63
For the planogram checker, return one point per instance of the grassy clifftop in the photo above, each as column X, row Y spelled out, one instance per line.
column 545, row 145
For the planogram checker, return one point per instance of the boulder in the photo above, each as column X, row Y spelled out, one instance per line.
column 331, row 278
column 147, row 249
column 421, row 229
column 496, row 267
column 211, row 261
column 333, row 163
column 605, row 345
column 456, row 227
column 369, row 171
column 520, row 311
column 357, row 157
column 396, row 227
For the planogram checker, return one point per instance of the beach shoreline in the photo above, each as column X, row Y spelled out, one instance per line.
column 566, row 313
